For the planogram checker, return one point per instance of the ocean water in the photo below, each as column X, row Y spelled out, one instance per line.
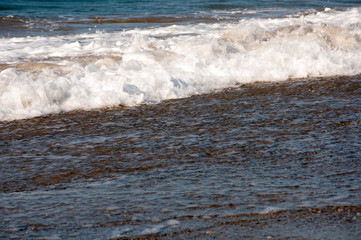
column 180, row 119
column 58, row 57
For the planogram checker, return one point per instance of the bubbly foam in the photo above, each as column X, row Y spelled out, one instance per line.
column 44, row 75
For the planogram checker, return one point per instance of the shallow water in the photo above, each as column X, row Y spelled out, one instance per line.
column 192, row 167
column 180, row 119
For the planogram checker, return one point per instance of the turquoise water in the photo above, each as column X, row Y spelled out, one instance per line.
column 33, row 8
column 31, row 17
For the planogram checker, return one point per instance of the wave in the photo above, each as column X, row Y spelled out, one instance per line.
column 45, row 75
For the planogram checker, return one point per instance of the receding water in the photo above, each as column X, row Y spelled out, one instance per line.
column 180, row 119
column 258, row 160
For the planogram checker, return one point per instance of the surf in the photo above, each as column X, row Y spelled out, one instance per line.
column 51, row 74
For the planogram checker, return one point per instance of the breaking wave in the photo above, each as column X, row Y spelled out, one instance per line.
column 45, row 75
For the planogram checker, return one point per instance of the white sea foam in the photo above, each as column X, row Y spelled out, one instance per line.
column 158, row 227
column 153, row 229
column 270, row 209
column 173, row 222
column 43, row 75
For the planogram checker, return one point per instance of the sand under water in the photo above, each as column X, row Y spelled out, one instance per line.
column 257, row 161
column 176, row 119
